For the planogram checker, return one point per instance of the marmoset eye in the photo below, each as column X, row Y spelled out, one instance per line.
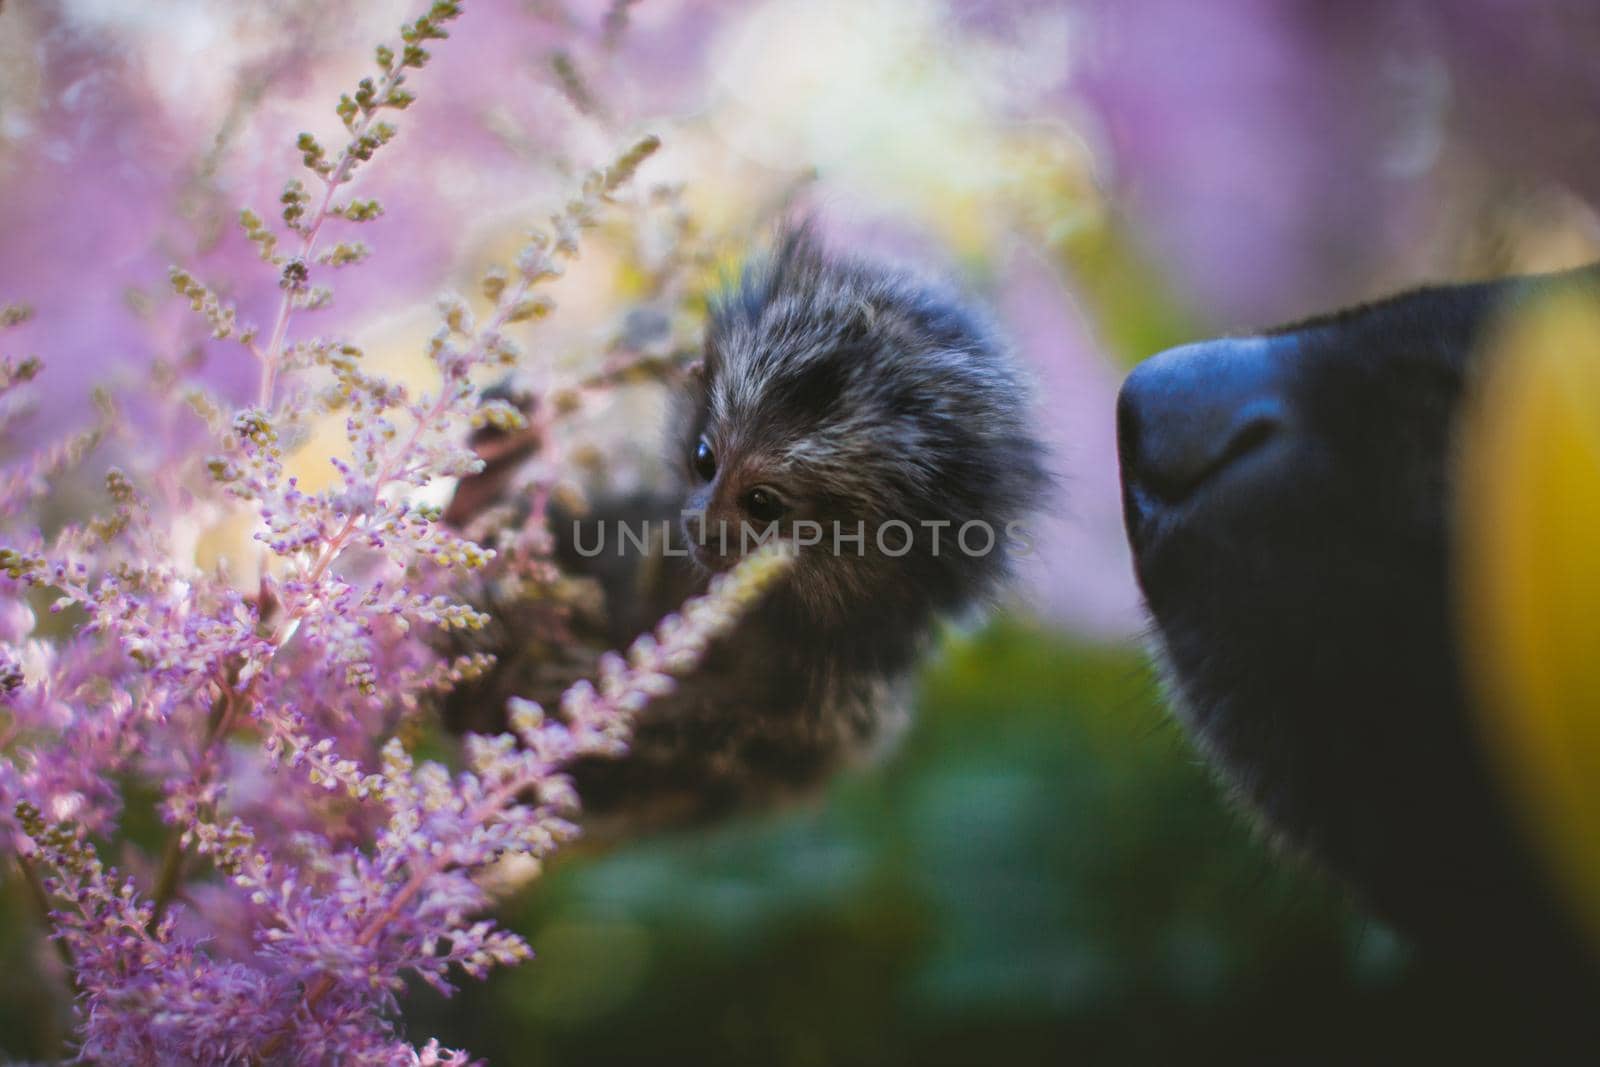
column 704, row 461
column 763, row 505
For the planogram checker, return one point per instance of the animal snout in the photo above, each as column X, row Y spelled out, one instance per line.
column 1188, row 415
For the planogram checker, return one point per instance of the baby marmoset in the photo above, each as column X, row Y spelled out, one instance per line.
column 877, row 421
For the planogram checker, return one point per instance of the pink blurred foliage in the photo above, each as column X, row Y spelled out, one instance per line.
column 1280, row 158
column 1245, row 151
column 88, row 207
column 114, row 181
column 1275, row 157
column 1080, row 572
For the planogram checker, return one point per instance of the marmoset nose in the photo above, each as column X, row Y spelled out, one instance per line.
column 1191, row 412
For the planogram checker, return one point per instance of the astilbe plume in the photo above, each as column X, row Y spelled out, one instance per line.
column 312, row 865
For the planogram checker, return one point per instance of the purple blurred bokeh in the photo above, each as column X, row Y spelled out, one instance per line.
column 1263, row 159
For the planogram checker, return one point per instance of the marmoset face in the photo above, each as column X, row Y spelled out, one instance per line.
column 865, row 415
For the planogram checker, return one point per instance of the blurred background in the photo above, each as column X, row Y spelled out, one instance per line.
column 1044, row 871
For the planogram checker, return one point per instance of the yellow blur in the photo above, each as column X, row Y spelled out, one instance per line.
column 1530, row 522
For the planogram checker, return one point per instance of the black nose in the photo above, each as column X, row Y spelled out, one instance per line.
column 1191, row 412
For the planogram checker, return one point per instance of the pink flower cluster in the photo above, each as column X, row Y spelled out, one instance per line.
column 311, row 863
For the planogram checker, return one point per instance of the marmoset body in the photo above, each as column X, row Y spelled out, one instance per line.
column 873, row 419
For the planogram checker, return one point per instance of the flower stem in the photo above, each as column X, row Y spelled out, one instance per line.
column 41, row 900
column 272, row 355
column 170, row 874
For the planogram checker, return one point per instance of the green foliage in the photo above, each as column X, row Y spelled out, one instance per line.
column 1043, row 870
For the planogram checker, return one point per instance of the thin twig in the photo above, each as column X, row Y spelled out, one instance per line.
column 168, row 878
column 170, row 874
column 41, row 899
column 272, row 355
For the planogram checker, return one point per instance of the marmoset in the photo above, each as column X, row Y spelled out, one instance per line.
column 871, row 417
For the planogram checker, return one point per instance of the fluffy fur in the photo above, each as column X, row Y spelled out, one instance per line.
column 848, row 393
column 862, row 395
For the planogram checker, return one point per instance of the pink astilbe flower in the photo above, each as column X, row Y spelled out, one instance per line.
column 313, row 865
